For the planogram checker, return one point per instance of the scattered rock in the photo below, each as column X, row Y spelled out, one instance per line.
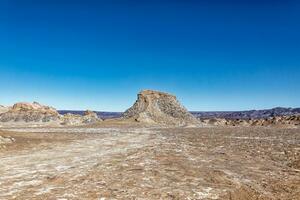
column 161, row 108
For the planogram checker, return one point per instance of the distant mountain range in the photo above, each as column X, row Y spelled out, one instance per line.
column 250, row 114
column 102, row 115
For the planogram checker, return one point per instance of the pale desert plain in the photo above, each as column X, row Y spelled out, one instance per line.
column 156, row 150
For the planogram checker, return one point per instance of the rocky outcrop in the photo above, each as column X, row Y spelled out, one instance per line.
column 288, row 121
column 3, row 109
column 35, row 106
column 29, row 112
column 159, row 108
column 279, row 121
column 71, row 119
column 88, row 117
column 37, row 113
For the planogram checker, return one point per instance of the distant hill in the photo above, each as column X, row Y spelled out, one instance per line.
column 102, row 115
column 250, row 114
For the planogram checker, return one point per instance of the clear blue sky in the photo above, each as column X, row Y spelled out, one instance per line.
column 213, row 54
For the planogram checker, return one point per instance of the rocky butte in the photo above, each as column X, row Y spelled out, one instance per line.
column 155, row 107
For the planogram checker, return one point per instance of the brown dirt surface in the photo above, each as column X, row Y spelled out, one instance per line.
column 135, row 162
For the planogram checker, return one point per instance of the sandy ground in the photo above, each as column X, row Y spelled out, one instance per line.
column 150, row 163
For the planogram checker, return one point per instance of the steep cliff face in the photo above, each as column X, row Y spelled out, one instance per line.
column 158, row 107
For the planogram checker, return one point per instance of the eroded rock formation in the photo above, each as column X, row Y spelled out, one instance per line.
column 29, row 112
column 87, row 118
column 161, row 108
column 37, row 113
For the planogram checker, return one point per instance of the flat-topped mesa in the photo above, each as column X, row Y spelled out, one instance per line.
column 153, row 93
column 159, row 107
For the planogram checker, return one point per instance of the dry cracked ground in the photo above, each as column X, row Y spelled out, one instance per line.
column 150, row 163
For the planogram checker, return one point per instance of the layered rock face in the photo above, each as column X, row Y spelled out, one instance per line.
column 161, row 108
column 29, row 112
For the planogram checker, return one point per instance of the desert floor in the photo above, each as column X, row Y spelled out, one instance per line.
column 150, row 163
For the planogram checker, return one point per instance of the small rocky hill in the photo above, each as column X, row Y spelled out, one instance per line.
column 29, row 112
column 159, row 108
column 38, row 113
column 88, row 117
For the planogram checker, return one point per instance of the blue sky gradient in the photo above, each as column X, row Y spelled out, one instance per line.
column 214, row 55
